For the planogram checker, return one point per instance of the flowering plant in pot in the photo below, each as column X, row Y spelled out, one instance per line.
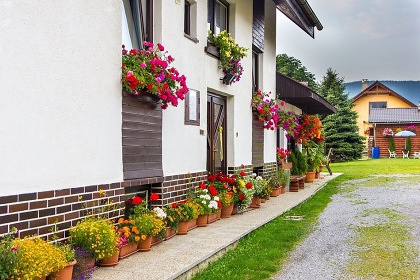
column 310, row 129
column 186, row 210
column 148, row 70
column 9, row 255
column 207, row 202
column 231, row 55
column 282, row 154
column 172, row 216
column 290, row 123
column 96, row 236
column 36, row 258
column 266, row 109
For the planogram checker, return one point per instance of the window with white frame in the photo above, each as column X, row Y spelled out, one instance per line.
column 218, row 16
column 137, row 22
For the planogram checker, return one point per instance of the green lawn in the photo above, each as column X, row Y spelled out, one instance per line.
column 248, row 261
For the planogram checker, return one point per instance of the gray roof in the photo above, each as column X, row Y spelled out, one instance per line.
column 394, row 115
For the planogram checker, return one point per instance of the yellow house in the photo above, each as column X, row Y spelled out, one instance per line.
column 376, row 95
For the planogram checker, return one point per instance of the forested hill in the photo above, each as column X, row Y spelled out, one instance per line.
column 410, row 90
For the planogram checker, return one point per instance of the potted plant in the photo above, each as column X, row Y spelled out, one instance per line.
column 230, row 55
column 97, row 236
column 9, row 255
column 172, row 220
column 37, row 258
column 128, row 237
column 148, row 225
column 186, row 212
column 265, row 109
column 148, row 72
column 207, row 205
column 69, row 253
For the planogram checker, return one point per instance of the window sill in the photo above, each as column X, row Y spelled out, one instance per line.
column 194, row 39
column 212, row 50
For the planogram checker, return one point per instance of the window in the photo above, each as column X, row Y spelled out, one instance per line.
column 137, row 21
column 218, row 16
column 192, row 107
column 190, row 20
column 380, row 104
column 187, row 18
column 255, row 71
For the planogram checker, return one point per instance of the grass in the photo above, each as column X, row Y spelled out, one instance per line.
column 383, row 250
column 262, row 253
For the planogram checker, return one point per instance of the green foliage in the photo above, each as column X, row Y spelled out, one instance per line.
column 408, row 144
column 302, row 162
column 295, row 168
column 391, row 143
column 315, row 155
column 9, row 255
column 293, row 68
column 340, row 129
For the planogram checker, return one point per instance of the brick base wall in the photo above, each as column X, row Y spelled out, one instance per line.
column 38, row 212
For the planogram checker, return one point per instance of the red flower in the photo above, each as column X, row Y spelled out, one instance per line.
column 174, row 205
column 137, row 200
column 242, row 196
column 242, row 173
column 219, row 204
column 182, row 202
column 212, row 190
column 248, row 185
column 202, row 186
column 154, row 196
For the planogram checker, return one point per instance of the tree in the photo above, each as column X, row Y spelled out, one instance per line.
column 293, row 68
column 340, row 129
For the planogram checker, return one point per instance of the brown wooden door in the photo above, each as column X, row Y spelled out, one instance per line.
column 216, row 134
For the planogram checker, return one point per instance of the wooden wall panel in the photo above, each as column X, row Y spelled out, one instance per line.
column 142, row 139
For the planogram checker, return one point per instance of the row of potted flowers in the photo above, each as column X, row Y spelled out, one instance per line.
column 98, row 239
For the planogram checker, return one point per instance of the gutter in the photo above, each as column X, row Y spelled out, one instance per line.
column 305, row 5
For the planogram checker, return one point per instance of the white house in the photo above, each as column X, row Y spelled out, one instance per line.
column 67, row 130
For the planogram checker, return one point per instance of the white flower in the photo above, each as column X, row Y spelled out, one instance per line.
column 254, row 175
column 207, row 197
column 159, row 212
column 205, row 190
column 213, row 204
column 204, row 201
column 259, row 178
column 216, row 198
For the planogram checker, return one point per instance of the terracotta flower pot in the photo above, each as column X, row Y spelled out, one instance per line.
column 255, row 202
column 127, row 250
column 219, row 213
column 275, row 192
column 212, row 218
column 156, row 240
column 110, row 261
column 170, row 232
column 192, row 224
column 310, row 176
column 202, row 220
column 145, row 245
column 65, row 273
column 227, row 211
column 182, row 228
column 282, row 189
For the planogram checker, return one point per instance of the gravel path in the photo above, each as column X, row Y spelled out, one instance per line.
column 326, row 253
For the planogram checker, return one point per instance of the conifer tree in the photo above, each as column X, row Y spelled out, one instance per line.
column 340, row 129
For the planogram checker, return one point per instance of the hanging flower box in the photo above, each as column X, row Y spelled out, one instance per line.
column 148, row 71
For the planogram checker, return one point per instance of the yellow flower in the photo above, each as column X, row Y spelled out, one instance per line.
column 143, row 237
column 241, row 183
column 137, row 239
column 101, row 191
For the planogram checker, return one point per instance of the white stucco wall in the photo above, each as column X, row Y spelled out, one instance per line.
column 184, row 149
column 269, row 73
column 60, row 105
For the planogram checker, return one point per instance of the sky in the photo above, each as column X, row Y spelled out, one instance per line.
column 361, row 39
